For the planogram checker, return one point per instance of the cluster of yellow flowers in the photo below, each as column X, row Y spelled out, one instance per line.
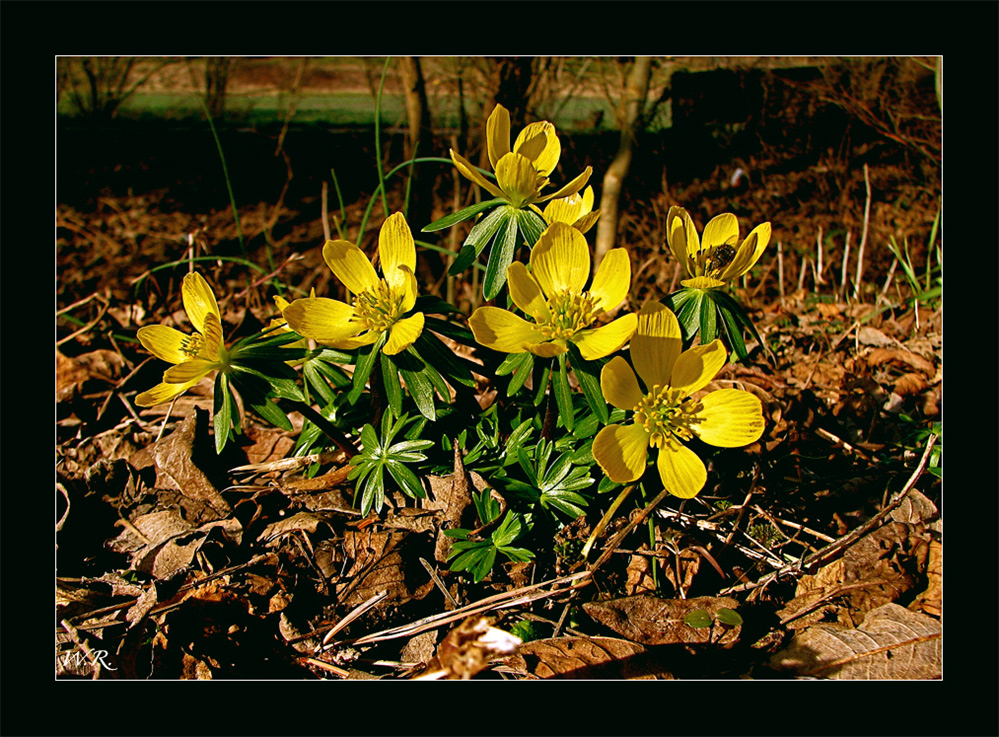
column 662, row 386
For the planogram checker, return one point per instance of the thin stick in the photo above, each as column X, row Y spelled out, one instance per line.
column 818, row 261
column 85, row 328
column 780, row 271
column 846, row 260
column 811, row 560
column 801, row 273
column 891, row 274
column 863, row 237
column 325, row 211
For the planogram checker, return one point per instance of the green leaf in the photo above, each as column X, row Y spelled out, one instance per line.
column 420, row 389
column 461, row 215
column 478, row 237
column 431, row 351
column 563, row 395
column 508, row 531
column 393, row 388
column 222, row 414
column 531, row 225
column 698, row 618
column 315, row 378
column 709, row 319
column 689, row 315
column 369, row 439
column 374, row 491
column 729, row 617
column 588, row 375
column 408, row 483
column 365, row 362
column 500, row 256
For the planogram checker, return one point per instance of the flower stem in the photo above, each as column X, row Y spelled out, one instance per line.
column 329, row 429
column 605, row 520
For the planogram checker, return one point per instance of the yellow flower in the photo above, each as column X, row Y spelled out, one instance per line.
column 713, row 259
column 551, row 293
column 379, row 303
column 195, row 355
column 665, row 414
column 521, row 172
column 576, row 210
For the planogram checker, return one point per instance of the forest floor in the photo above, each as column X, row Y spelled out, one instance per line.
column 815, row 552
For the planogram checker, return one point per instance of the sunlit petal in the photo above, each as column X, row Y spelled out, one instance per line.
column 572, row 187
column 656, row 344
column 729, row 418
column 619, row 384
column 720, row 229
column 702, row 282
column 163, row 342
column 517, row 178
column 603, row 341
column 526, row 292
column 683, row 474
column 212, row 337
column 403, row 334
column 409, row 288
column 749, row 252
column 622, row 451
column 697, row 366
column 470, row 172
column 503, row 331
column 322, row 319
column 539, row 143
column 560, row 260
column 188, row 371
column 396, row 248
column 497, row 135
column 612, row 280
column 347, row 344
column 682, row 236
column 163, row 393
column 198, row 300
column 548, row 349
column 587, row 221
column 350, row 265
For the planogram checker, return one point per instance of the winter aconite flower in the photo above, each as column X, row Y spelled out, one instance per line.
column 195, row 355
column 717, row 257
column 575, row 210
column 523, row 171
column 551, row 293
column 665, row 415
column 380, row 305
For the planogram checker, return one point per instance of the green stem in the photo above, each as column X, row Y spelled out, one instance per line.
column 329, row 429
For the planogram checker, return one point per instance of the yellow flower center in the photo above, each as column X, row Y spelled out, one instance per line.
column 667, row 415
column 378, row 307
column 192, row 344
column 570, row 313
column 712, row 261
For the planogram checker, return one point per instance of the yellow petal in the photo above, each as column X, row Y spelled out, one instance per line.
column 612, row 280
column 408, row 285
column 162, row 393
column 603, row 341
column 729, row 418
column 702, row 282
column 163, row 342
column 538, row 143
column 526, row 292
column 683, row 474
column 749, row 252
column 188, row 371
column 396, row 248
column 497, row 135
column 403, row 334
column 682, row 237
column 468, row 170
column 503, row 331
column 548, row 349
column 720, row 229
column 322, row 319
column 697, row 366
column 350, row 265
column 212, row 337
column 619, row 384
column 622, row 451
column 568, row 209
column 587, row 221
column 518, row 179
column 560, row 260
column 347, row 344
column 280, row 302
column 656, row 344
column 572, row 187
column 198, row 300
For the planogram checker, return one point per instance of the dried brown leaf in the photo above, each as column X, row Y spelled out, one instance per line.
column 176, row 469
column 652, row 621
column 891, row 643
column 585, row 657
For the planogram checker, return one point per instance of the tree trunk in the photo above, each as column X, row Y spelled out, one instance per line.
column 629, row 120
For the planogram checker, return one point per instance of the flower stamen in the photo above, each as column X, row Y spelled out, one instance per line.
column 570, row 313
column 378, row 307
column 666, row 414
